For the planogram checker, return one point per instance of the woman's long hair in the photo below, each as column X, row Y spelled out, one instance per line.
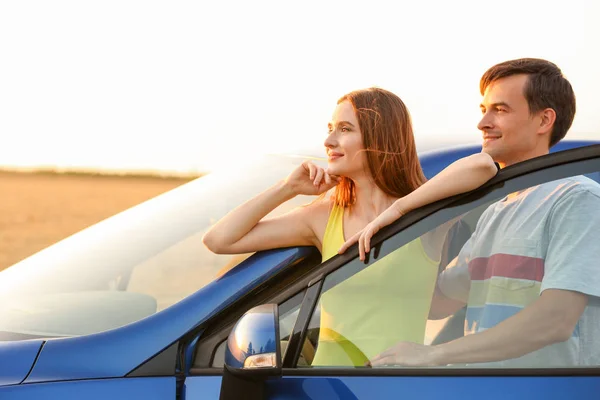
column 387, row 134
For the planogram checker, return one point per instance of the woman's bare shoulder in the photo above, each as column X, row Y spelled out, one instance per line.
column 321, row 206
column 318, row 212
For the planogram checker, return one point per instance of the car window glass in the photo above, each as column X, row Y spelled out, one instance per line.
column 510, row 251
column 135, row 263
column 363, row 311
column 191, row 260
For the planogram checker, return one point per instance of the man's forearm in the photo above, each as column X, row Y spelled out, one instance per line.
column 542, row 323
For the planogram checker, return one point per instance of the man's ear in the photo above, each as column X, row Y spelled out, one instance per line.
column 547, row 119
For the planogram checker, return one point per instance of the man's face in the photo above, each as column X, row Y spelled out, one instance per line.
column 510, row 132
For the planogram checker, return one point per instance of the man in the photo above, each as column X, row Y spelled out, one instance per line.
column 530, row 273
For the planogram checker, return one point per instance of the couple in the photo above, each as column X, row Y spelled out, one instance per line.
column 374, row 177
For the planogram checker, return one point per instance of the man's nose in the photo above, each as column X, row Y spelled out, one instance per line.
column 485, row 122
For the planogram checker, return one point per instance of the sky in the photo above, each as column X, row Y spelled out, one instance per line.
column 188, row 86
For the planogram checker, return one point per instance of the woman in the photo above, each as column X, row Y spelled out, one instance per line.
column 372, row 164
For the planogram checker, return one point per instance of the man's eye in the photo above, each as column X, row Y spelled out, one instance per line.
column 500, row 110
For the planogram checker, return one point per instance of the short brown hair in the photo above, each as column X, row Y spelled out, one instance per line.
column 387, row 134
column 546, row 88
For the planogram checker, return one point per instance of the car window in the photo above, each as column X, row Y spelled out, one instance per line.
column 364, row 310
column 135, row 263
column 510, row 251
column 176, row 272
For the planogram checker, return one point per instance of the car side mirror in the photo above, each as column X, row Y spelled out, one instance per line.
column 252, row 353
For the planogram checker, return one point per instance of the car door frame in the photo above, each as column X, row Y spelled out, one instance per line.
column 509, row 180
column 526, row 174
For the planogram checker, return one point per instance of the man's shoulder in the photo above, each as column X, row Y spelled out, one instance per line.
column 583, row 183
column 568, row 187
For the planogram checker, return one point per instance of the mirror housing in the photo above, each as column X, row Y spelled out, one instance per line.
column 253, row 344
column 252, row 354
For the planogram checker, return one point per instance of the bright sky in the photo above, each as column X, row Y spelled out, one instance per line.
column 185, row 85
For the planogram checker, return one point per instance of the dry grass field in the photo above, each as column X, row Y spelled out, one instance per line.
column 39, row 209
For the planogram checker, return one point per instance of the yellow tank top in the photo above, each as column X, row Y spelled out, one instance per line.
column 379, row 306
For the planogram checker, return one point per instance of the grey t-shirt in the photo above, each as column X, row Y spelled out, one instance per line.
column 545, row 237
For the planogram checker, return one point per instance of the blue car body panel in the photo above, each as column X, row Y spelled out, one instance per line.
column 432, row 387
column 115, row 353
column 410, row 388
column 202, row 387
column 151, row 388
column 16, row 360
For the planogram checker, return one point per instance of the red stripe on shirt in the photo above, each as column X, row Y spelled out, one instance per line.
column 507, row 265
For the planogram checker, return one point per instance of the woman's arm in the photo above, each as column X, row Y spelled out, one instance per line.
column 243, row 230
column 461, row 176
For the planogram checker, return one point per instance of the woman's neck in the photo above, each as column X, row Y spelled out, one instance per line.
column 370, row 199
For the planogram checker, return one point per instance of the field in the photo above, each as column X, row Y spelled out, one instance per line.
column 39, row 209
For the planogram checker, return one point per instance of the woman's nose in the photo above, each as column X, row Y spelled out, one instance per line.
column 330, row 141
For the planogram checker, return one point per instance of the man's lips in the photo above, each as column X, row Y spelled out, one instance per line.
column 490, row 139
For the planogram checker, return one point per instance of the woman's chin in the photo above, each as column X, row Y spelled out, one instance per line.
column 331, row 170
column 337, row 171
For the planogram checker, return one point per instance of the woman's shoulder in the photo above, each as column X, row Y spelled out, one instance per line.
column 322, row 205
column 318, row 212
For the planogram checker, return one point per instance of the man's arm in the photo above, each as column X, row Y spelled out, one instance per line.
column 550, row 319
column 443, row 306
column 452, row 286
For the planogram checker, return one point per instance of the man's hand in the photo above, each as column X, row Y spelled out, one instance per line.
column 363, row 237
column 407, row 354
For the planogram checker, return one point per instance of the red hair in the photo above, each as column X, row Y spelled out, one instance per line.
column 387, row 134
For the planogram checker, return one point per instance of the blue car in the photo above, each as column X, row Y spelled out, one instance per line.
column 136, row 307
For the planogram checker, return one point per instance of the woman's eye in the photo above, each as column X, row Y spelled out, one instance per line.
column 344, row 129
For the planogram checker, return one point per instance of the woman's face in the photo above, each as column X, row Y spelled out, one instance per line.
column 344, row 144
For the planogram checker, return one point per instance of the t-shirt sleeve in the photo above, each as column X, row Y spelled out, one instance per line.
column 572, row 260
column 455, row 282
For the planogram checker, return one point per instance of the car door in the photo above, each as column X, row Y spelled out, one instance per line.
column 345, row 295
column 361, row 298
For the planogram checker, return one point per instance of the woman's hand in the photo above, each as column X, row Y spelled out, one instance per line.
column 363, row 237
column 310, row 179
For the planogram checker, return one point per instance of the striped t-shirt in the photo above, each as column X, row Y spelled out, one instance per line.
column 545, row 237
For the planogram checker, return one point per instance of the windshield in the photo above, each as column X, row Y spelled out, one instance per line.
column 135, row 263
